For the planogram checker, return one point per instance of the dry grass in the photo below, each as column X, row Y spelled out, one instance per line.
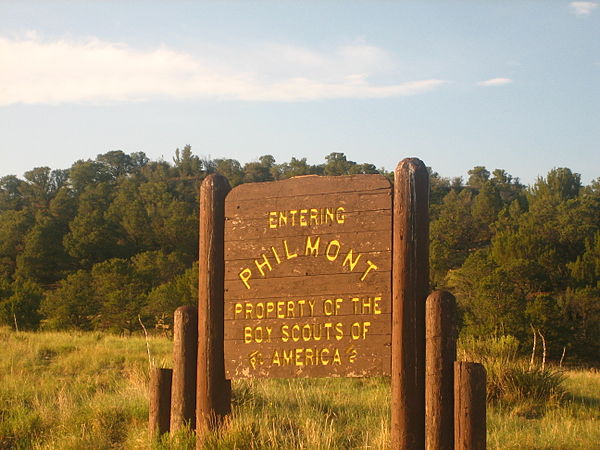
column 89, row 390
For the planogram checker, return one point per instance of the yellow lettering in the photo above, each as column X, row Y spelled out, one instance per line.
column 366, row 305
column 245, row 276
column 298, row 354
column 324, row 353
column 290, row 309
column 285, row 336
column 238, row 309
column 288, row 255
column 371, row 267
column 259, row 310
column 275, row 360
column 303, row 222
column 308, row 356
column 339, row 331
column 247, row 335
column 351, row 262
column 339, row 215
column 312, row 249
column 275, row 255
column 376, row 305
column 296, row 333
column 293, row 213
column 314, row 216
column 260, row 266
column 273, row 219
column 332, row 244
column 282, row 218
column 336, row 357
column 329, row 215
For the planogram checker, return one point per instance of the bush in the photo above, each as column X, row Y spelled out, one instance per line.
column 509, row 378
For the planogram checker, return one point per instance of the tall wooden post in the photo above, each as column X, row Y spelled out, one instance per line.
column 410, row 280
column 160, row 401
column 213, row 399
column 440, row 354
column 469, row 406
column 185, row 357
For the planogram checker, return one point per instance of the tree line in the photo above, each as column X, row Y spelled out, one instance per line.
column 113, row 241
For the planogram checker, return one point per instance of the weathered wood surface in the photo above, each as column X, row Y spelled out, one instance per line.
column 410, row 280
column 469, row 406
column 213, row 400
column 440, row 354
column 308, row 238
column 160, row 401
column 310, row 185
column 185, row 356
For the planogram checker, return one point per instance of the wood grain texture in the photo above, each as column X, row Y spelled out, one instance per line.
column 160, row 401
column 440, row 354
column 469, row 406
column 213, row 400
column 335, row 242
column 185, row 357
column 410, row 280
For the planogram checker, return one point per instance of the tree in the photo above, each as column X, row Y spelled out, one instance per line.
column 74, row 305
column 20, row 309
column 120, row 294
column 452, row 235
column 478, row 176
column 230, row 169
column 92, row 237
column 186, row 163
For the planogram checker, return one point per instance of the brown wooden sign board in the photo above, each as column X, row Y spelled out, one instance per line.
column 308, row 278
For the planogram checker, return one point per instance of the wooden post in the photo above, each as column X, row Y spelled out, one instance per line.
column 410, row 280
column 440, row 354
column 469, row 406
column 185, row 356
column 213, row 399
column 160, row 401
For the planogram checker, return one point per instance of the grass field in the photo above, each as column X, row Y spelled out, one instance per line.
column 89, row 391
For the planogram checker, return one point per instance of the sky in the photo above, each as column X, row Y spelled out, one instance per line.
column 512, row 85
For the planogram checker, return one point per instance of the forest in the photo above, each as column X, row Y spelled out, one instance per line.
column 111, row 244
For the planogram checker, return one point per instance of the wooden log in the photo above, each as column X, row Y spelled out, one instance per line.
column 469, row 406
column 410, row 279
column 160, row 401
column 213, row 397
column 440, row 354
column 185, row 357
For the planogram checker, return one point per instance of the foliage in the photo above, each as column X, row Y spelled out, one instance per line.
column 510, row 379
column 112, row 239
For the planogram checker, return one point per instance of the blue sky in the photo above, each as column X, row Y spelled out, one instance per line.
column 512, row 85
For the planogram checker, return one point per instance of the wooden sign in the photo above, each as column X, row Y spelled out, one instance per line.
column 307, row 278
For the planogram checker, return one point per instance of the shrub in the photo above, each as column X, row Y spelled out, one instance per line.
column 509, row 378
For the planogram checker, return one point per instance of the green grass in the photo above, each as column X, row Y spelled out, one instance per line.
column 89, row 391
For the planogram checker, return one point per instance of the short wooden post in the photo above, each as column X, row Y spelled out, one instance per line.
column 160, row 401
column 410, row 280
column 213, row 400
column 440, row 354
column 185, row 356
column 469, row 406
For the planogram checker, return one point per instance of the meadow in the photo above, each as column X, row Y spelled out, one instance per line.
column 89, row 391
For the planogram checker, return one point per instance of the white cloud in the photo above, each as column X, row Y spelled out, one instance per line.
column 495, row 82
column 583, row 8
column 94, row 71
